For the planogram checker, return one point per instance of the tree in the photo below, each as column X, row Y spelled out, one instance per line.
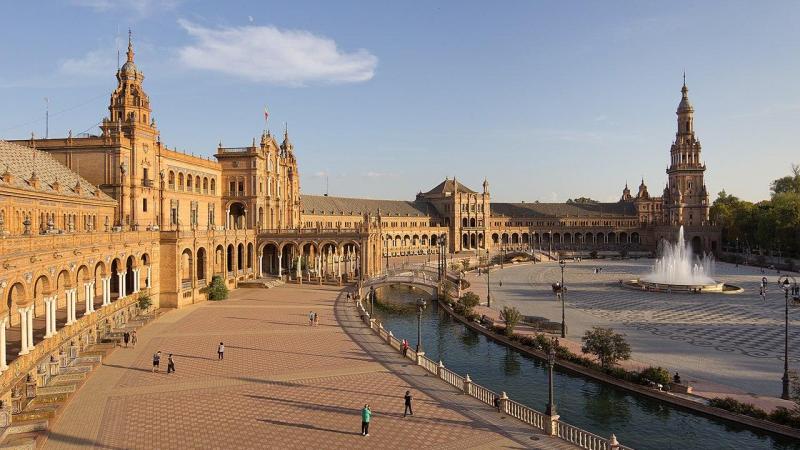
column 787, row 184
column 217, row 290
column 511, row 316
column 608, row 346
column 470, row 300
column 583, row 201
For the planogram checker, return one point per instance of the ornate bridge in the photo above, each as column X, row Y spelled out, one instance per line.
column 414, row 275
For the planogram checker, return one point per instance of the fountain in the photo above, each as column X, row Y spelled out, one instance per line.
column 679, row 270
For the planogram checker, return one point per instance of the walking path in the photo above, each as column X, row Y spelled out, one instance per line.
column 282, row 384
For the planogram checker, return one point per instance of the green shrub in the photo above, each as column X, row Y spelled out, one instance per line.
column 470, row 300
column 735, row 406
column 608, row 346
column 786, row 417
column 144, row 301
column 217, row 289
column 656, row 375
column 511, row 316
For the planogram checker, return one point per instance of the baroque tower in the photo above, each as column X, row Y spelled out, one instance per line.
column 685, row 196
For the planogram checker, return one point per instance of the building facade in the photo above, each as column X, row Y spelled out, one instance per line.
column 88, row 224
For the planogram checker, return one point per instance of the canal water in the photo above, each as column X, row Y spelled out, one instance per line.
column 637, row 421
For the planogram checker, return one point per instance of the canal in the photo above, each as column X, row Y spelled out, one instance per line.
column 639, row 422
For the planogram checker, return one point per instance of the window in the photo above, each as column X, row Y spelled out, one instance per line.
column 144, row 204
column 144, row 173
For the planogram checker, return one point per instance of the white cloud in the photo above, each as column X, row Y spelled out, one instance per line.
column 321, row 174
column 96, row 63
column 378, row 175
column 139, row 7
column 266, row 54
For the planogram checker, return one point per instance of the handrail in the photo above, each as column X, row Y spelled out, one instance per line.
column 572, row 434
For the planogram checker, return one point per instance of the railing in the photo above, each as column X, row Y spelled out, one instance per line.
column 235, row 149
column 543, row 422
column 186, row 284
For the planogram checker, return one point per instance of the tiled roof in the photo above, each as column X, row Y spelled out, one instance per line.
column 563, row 209
column 20, row 161
column 320, row 204
column 449, row 185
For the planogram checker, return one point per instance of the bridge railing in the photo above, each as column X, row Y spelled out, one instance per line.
column 551, row 425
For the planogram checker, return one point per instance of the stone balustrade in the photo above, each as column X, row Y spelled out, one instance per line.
column 552, row 425
column 48, row 243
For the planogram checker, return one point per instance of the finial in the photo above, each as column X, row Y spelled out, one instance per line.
column 130, row 46
column 684, row 78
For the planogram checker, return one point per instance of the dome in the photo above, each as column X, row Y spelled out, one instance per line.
column 129, row 68
column 685, row 104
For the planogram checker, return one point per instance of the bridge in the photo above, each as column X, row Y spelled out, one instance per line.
column 420, row 276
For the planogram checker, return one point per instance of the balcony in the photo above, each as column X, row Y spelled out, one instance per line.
column 146, row 182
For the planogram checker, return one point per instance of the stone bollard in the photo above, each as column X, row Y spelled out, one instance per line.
column 389, row 337
column 54, row 366
column 419, row 358
column 467, row 385
column 5, row 414
column 503, row 402
column 551, row 424
column 613, row 443
column 439, row 369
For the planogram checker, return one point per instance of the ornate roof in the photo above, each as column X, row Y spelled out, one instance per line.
column 449, row 185
column 563, row 209
column 321, row 204
column 21, row 162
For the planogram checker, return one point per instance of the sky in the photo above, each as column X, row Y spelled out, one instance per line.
column 547, row 100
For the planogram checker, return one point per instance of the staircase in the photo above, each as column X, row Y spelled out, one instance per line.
column 261, row 283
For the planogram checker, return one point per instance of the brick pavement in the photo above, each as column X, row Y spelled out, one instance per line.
column 282, row 384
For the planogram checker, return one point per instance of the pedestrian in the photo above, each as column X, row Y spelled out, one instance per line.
column 133, row 339
column 501, row 283
column 316, row 319
column 407, row 409
column 405, row 348
column 156, row 360
column 170, row 364
column 125, row 338
column 310, row 318
column 348, row 298
column 221, row 351
column 366, row 414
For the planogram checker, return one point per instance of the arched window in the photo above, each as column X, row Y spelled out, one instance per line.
column 213, row 186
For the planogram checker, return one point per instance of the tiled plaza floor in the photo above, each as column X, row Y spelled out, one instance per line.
column 282, row 384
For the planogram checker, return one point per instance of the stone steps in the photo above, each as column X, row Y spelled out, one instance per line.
column 57, row 388
column 67, row 379
column 22, row 441
column 74, row 369
column 35, row 413
column 88, row 360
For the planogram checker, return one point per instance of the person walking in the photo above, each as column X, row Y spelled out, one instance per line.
column 133, row 339
column 405, row 347
column 156, row 360
column 221, row 351
column 311, row 318
column 170, row 364
column 366, row 415
column 407, row 409
column 125, row 338
column 316, row 319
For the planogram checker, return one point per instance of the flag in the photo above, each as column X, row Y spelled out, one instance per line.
column 266, row 114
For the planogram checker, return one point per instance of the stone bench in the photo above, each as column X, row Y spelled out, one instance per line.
column 680, row 388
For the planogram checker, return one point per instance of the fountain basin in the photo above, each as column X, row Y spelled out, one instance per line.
column 650, row 286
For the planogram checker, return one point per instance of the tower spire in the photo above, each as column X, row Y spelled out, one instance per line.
column 130, row 45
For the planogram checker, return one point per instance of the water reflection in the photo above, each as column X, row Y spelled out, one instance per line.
column 606, row 405
column 511, row 364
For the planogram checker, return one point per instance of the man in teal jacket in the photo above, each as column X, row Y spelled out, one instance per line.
column 366, row 414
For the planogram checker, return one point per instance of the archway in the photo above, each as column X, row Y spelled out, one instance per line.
column 240, row 257
column 201, row 266
column 17, row 297
column 473, row 240
column 250, row 255
column 115, row 269
column 238, row 214
column 186, row 268
column 697, row 246
column 229, row 260
column 129, row 275
column 269, row 259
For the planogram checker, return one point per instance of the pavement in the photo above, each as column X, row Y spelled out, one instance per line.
column 282, row 384
column 723, row 344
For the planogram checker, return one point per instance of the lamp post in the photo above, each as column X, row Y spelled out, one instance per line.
column 784, row 282
column 551, row 361
column 371, row 300
column 550, row 241
column 488, row 283
column 563, row 290
column 387, row 254
column 420, row 308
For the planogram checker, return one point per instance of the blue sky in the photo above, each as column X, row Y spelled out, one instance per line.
column 548, row 100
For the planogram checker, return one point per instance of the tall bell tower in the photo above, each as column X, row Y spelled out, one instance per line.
column 685, row 196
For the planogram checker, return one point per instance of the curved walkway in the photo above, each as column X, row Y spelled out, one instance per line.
column 282, row 384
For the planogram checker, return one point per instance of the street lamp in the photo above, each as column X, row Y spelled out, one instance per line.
column 787, row 286
column 551, row 361
column 420, row 308
column 563, row 290
column 371, row 300
column 387, row 254
column 488, row 283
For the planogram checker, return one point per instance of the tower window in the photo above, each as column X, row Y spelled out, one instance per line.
column 144, row 204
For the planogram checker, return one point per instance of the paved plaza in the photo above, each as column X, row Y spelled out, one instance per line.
column 282, row 384
column 720, row 341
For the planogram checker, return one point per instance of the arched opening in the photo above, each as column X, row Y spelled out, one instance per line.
column 697, row 246
column 495, row 238
column 147, row 273
column 623, row 238
column 41, row 289
column 515, row 238
column 201, row 266
column 525, row 238
column 115, row 269
column 634, row 238
column 16, row 298
column 237, row 216
column 612, row 238
column 229, row 260
column 472, row 222
column 250, row 255
column 505, row 238
column 464, row 222
column 567, row 238
column 473, row 240
column 269, row 259
column 600, row 239
column 129, row 275
column 465, row 240
column 589, row 238
column 434, row 240
column 240, row 257
column 186, row 268
column 219, row 261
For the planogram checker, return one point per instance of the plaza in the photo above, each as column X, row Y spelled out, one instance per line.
column 282, row 384
column 723, row 343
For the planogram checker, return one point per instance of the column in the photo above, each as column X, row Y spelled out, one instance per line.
column 23, row 328
column 87, row 297
column 3, row 323
column 280, row 268
column 135, row 287
column 121, row 284
column 48, row 316
column 68, row 295
column 73, row 317
column 147, row 282
column 30, row 327
column 106, row 282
